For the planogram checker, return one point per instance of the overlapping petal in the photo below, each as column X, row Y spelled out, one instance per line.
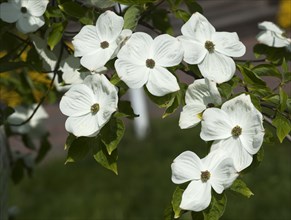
column 217, row 67
column 228, row 44
column 29, row 24
column 161, row 82
column 194, row 52
column 35, row 7
column 215, row 125
column 9, row 12
column 109, row 26
column 186, row 167
column 137, row 49
column 198, row 28
column 191, row 115
column 135, row 76
column 77, row 101
column 196, row 197
column 86, row 41
column 85, row 125
column 272, row 39
column 167, row 51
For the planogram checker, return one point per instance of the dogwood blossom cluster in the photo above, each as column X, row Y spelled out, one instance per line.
column 273, row 36
column 26, row 13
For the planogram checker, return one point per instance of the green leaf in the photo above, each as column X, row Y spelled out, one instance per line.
column 168, row 213
column 160, row 19
column 131, row 17
column 56, row 34
column 266, row 70
column 240, row 187
column 182, row 14
column 102, row 157
column 163, row 101
column 176, row 200
column 125, row 110
column 5, row 113
column 8, row 66
column 250, row 77
column 193, row 6
column 112, row 133
column 216, row 208
column 283, row 126
column 197, row 215
column 131, row 2
column 276, row 55
column 73, row 9
column 69, row 141
column 283, row 99
column 80, row 148
column 45, row 146
column 53, row 12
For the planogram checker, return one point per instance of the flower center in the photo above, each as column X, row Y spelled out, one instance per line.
column 150, row 63
column 95, row 108
column 210, row 105
column 236, row 131
column 104, row 44
column 205, row 175
column 209, row 46
column 23, row 10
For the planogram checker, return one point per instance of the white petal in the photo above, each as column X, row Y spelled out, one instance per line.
column 202, row 91
column 36, row 7
column 134, row 75
column 9, row 12
column 196, row 197
column 70, row 67
column 137, row 49
column 29, row 24
column 98, row 59
column 270, row 26
column 233, row 148
column 190, row 116
column 109, row 26
column 161, row 82
column 122, row 39
column 186, row 167
column 228, row 44
column 198, row 28
column 240, row 110
column 105, row 93
column 272, row 39
column 77, row 101
column 194, row 52
column 215, row 125
column 217, row 67
column 86, row 41
column 167, row 51
column 222, row 170
column 85, row 125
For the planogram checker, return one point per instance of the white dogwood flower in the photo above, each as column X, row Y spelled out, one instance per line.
column 143, row 61
column 200, row 95
column 89, row 105
column 209, row 49
column 237, row 129
column 100, row 43
column 26, row 13
column 272, row 35
column 213, row 171
column 34, row 125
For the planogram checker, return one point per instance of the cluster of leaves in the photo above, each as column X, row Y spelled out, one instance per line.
column 26, row 77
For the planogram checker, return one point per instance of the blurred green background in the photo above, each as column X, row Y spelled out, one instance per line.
column 143, row 188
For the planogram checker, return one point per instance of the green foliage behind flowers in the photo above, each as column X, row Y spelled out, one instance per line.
column 109, row 56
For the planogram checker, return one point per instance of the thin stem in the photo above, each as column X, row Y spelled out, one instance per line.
column 150, row 27
column 48, row 90
column 252, row 61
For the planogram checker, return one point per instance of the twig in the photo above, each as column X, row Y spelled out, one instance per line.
column 150, row 27
column 253, row 61
column 48, row 90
